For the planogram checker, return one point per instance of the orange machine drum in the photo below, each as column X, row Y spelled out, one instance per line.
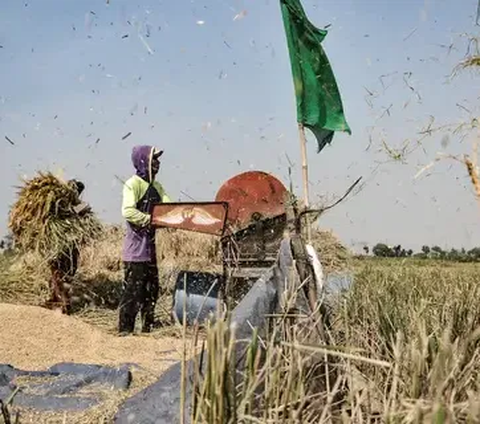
column 251, row 196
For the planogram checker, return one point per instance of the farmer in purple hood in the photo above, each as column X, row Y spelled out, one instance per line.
column 141, row 286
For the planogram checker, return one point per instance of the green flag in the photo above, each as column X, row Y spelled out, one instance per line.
column 319, row 106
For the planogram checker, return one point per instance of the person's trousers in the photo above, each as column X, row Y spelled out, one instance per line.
column 62, row 271
column 140, row 294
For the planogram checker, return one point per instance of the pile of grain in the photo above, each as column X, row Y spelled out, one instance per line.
column 35, row 338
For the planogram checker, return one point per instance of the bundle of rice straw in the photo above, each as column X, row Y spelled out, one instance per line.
column 333, row 255
column 181, row 249
column 43, row 219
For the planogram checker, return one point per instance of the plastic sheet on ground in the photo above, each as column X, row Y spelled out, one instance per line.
column 63, row 386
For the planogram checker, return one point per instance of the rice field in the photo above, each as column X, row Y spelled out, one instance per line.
column 403, row 340
column 424, row 320
column 403, row 347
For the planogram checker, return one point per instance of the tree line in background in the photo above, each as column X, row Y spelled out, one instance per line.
column 382, row 250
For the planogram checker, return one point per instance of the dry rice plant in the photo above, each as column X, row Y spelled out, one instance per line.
column 425, row 320
column 43, row 219
column 24, row 276
column 23, row 279
column 470, row 163
column 333, row 255
column 100, row 275
column 186, row 250
column 407, row 343
column 469, row 62
column 472, row 170
column 177, row 249
column 103, row 255
column 279, row 381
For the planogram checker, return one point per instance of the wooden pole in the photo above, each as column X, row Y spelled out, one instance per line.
column 306, row 196
column 301, row 254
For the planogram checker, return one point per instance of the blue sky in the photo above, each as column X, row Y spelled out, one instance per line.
column 216, row 93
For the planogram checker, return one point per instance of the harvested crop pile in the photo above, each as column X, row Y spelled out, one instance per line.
column 104, row 254
column 43, row 219
column 186, row 250
column 24, row 276
column 333, row 255
column 23, row 279
column 35, row 338
column 177, row 249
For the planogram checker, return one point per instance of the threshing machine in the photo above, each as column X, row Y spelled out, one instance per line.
column 249, row 217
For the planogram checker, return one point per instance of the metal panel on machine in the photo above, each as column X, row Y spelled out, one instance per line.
column 201, row 217
column 251, row 196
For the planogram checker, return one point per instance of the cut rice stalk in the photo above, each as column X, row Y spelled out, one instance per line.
column 43, row 219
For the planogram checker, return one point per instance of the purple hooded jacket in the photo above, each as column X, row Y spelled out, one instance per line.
column 140, row 193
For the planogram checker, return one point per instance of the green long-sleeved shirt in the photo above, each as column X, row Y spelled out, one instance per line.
column 133, row 190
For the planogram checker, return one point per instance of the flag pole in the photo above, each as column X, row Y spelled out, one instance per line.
column 306, row 196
